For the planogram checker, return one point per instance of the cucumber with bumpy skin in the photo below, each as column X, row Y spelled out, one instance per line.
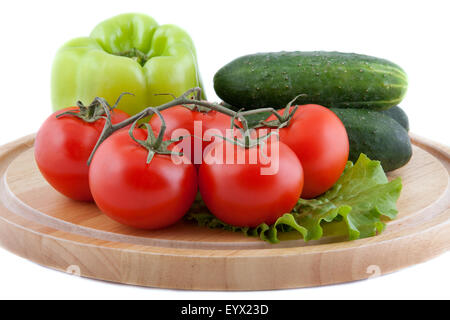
column 331, row 79
column 376, row 135
column 399, row 115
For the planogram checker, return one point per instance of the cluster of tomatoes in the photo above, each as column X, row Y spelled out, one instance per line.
column 152, row 193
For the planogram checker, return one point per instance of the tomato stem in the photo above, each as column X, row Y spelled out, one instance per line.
column 284, row 119
column 158, row 145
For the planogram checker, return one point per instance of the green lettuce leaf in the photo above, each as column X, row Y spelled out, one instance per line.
column 354, row 206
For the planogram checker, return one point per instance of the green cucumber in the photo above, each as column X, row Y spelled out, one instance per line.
column 331, row 79
column 376, row 135
column 399, row 115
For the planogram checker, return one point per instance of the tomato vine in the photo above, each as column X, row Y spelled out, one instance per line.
column 189, row 98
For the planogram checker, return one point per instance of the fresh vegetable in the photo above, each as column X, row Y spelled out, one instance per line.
column 399, row 115
column 331, row 79
column 129, row 52
column 320, row 141
column 63, row 145
column 376, row 135
column 356, row 206
column 248, row 182
column 240, row 193
column 182, row 117
column 142, row 195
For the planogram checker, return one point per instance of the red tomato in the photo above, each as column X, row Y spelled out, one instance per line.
column 62, row 149
column 180, row 117
column 137, row 194
column 320, row 141
column 241, row 194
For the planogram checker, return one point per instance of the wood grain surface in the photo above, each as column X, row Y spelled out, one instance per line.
column 41, row 225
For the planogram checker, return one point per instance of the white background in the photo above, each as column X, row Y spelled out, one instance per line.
column 411, row 34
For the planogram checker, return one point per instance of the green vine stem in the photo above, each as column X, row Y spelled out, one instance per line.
column 190, row 97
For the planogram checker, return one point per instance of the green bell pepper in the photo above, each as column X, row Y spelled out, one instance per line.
column 127, row 53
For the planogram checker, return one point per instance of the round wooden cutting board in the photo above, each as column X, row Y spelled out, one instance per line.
column 43, row 226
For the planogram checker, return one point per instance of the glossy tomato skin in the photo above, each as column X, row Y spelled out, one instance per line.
column 320, row 141
column 62, row 149
column 180, row 117
column 240, row 195
column 137, row 194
